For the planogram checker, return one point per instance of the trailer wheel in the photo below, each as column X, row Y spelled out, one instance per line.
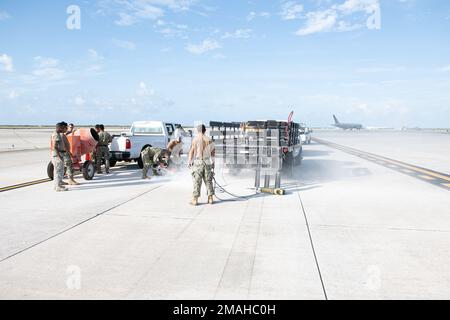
column 50, row 170
column 112, row 163
column 88, row 170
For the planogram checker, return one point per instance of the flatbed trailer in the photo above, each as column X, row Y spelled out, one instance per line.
column 264, row 146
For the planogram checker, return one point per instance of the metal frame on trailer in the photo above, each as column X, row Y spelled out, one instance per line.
column 256, row 145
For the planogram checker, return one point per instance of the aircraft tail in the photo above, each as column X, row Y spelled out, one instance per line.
column 336, row 121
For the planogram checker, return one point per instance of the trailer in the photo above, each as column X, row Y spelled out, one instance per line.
column 82, row 144
column 265, row 146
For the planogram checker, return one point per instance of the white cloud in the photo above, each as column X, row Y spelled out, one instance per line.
column 94, row 55
column 4, row 15
column 319, row 21
column 50, row 73
column 13, row 95
column 47, row 69
column 44, row 62
column 238, row 34
column 343, row 26
column 143, row 90
column 380, row 69
column 172, row 30
column 124, row 44
column 290, row 10
column 252, row 15
column 130, row 12
column 351, row 6
column 7, row 63
column 80, row 101
column 125, row 19
column 334, row 18
column 205, row 46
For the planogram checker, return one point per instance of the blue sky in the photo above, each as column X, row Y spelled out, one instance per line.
column 380, row 63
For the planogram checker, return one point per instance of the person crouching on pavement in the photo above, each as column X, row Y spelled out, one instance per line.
column 201, row 161
column 152, row 157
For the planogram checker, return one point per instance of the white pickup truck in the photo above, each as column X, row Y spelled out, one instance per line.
column 128, row 146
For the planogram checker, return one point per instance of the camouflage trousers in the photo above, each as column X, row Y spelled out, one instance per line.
column 58, row 171
column 148, row 163
column 68, row 164
column 102, row 152
column 202, row 172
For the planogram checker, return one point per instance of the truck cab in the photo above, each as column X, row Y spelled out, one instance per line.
column 128, row 146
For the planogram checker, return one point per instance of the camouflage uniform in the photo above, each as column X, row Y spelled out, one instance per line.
column 102, row 151
column 150, row 156
column 68, row 157
column 202, row 171
column 58, row 162
column 202, row 166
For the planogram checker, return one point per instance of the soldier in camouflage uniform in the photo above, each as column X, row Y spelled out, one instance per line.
column 68, row 156
column 102, row 150
column 58, row 152
column 201, row 161
column 151, row 157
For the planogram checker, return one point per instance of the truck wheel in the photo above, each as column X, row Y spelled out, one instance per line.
column 112, row 163
column 88, row 170
column 140, row 163
column 50, row 170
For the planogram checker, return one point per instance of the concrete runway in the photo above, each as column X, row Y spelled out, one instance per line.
column 348, row 228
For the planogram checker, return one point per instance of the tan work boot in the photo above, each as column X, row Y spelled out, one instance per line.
column 194, row 201
column 59, row 189
column 210, row 199
column 72, row 182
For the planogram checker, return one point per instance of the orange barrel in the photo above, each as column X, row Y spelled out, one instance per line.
column 75, row 147
column 88, row 140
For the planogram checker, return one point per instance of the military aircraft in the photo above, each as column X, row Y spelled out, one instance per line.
column 346, row 126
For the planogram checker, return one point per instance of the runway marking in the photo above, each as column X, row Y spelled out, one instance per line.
column 312, row 246
column 427, row 177
column 31, row 183
column 25, row 184
column 436, row 178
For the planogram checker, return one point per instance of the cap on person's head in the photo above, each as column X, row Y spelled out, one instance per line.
column 63, row 124
column 97, row 126
column 201, row 128
column 102, row 127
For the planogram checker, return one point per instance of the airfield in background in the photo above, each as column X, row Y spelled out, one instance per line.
column 351, row 226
